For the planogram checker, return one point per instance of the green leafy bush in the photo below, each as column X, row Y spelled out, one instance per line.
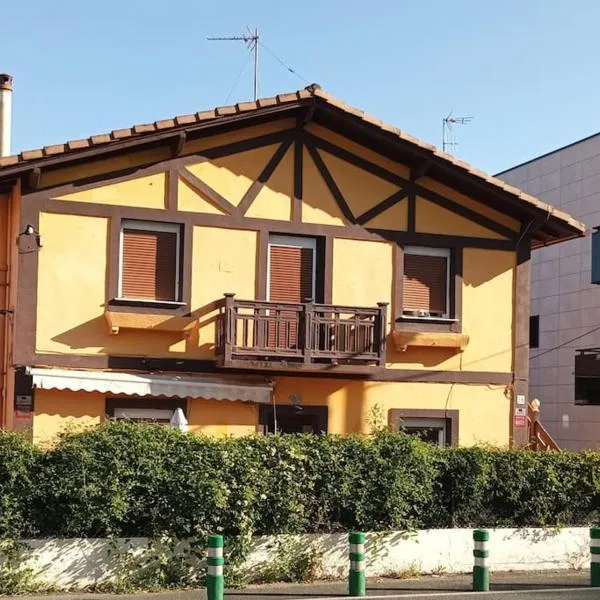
column 123, row 479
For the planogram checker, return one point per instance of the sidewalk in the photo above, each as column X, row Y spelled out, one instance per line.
column 512, row 585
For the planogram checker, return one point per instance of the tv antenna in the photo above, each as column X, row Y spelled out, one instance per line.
column 448, row 137
column 251, row 41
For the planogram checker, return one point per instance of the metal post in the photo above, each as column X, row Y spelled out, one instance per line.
column 356, row 581
column 595, row 556
column 481, row 570
column 214, row 578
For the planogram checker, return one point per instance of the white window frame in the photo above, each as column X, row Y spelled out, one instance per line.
column 294, row 242
column 427, row 251
column 151, row 226
column 148, row 414
column 441, row 425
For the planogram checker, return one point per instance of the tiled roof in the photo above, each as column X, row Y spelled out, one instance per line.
column 312, row 91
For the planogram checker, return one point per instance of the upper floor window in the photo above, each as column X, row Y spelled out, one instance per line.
column 426, row 282
column 534, row 331
column 149, row 261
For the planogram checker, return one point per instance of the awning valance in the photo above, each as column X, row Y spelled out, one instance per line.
column 130, row 384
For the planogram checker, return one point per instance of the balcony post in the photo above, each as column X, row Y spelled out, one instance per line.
column 382, row 341
column 308, row 312
column 229, row 327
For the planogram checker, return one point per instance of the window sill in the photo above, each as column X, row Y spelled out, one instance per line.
column 432, row 339
column 437, row 324
column 147, row 303
column 150, row 321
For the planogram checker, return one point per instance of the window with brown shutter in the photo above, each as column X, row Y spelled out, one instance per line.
column 149, row 261
column 425, row 282
column 291, row 279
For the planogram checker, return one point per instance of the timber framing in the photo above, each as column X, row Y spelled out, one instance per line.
column 294, row 139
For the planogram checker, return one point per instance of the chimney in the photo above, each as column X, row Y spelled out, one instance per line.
column 5, row 113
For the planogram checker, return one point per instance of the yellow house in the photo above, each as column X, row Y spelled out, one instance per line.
column 289, row 263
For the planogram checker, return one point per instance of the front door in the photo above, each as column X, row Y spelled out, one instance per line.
column 291, row 279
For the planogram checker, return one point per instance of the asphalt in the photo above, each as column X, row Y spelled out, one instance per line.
column 547, row 585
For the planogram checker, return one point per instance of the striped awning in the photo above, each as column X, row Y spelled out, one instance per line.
column 169, row 386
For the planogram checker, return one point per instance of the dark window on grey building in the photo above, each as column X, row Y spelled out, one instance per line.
column 596, row 256
column 587, row 376
column 534, row 331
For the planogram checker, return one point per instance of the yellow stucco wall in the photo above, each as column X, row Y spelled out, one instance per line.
column 362, row 272
column 149, row 192
column 431, row 218
column 483, row 410
column 224, row 261
column 191, row 200
column 57, row 411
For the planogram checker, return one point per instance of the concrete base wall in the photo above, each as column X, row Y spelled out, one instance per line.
column 81, row 563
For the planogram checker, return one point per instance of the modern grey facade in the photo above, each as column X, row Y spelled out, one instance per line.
column 567, row 303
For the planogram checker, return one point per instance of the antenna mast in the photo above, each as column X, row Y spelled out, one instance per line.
column 251, row 41
column 448, row 138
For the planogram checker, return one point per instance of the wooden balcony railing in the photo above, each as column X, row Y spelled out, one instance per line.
column 306, row 335
column 539, row 438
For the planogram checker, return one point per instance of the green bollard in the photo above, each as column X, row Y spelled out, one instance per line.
column 481, row 570
column 214, row 561
column 595, row 556
column 356, row 580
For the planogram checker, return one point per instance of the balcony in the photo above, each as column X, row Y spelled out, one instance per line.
column 307, row 336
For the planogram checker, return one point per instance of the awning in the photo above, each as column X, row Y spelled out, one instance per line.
column 129, row 384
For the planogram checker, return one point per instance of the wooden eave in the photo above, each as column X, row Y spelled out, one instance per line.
column 541, row 223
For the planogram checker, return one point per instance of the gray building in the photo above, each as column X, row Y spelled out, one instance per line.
column 565, row 305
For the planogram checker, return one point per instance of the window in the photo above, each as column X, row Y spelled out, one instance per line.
column 587, row 376
column 147, row 410
column 534, row 331
column 596, row 256
column 433, row 431
column 149, row 262
column 439, row 427
column 293, row 419
column 425, row 286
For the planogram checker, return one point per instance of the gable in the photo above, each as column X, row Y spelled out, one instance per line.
column 307, row 174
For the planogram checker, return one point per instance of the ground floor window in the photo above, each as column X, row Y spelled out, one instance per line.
column 293, row 419
column 144, row 410
column 439, row 427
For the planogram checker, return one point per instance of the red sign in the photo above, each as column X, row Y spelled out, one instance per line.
column 520, row 421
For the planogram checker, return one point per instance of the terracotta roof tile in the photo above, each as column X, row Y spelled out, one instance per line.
column 165, row 124
column 119, row 134
column 144, row 128
column 226, row 110
column 103, row 138
column 206, row 114
column 78, row 144
column 55, row 149
column 185, row 119
column 9, row 160
column 244, row 106
column 31, row 154
column 283, row 98
column 264, row 102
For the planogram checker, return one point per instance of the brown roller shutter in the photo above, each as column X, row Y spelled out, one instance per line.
column 149, row 264
column 290, row 280
column 425, row 283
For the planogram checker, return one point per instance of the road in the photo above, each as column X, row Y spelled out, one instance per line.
column 557, row 585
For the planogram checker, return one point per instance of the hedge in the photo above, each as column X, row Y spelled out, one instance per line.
column 124, row 479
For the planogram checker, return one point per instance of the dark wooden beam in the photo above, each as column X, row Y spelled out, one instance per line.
column 333, row 188
column 255, row 188
column 298, row 180
column 178, row 143
column 212, row 195
column 32, row 181
column 417, row 172
column 382, row 206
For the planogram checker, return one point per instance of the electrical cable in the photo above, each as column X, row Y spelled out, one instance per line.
column 238, row 77
column 283, row 64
